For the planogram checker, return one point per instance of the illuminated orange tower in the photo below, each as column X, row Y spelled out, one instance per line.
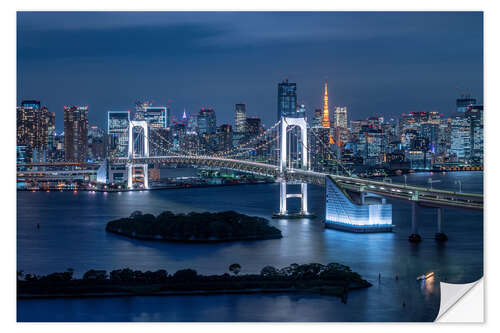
column 326, row 117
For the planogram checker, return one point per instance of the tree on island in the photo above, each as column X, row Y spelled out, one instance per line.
column 235, row 268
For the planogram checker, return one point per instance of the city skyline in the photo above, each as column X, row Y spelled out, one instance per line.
column 223, row 77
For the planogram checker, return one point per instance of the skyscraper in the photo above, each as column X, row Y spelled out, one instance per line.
column 156, row 116
column 340, row 117
column 75, row 133
column 475, row 115
column 287, row 99
column 207, row 129
column 317, row 118
column 240, row 117
column 118, row 122
column 32, row 128
column 224, row 137
column 326, row 116
column 460, row 136
column 206, row 120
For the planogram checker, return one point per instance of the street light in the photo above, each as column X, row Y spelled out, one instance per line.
column 405, row 179
column 459, row 182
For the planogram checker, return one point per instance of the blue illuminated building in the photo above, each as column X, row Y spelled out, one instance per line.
column 342, row 212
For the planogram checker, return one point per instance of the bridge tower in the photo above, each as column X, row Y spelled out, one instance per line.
column 283, row 212
column 131, row 166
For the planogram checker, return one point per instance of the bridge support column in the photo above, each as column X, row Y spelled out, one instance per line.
column 283, row 210
column 130, row 169
column 283, row 213
column 303, row 199
column 283, row 166
column 414, row 236
column 130, row 177
column 146, row 177
column 440, row 235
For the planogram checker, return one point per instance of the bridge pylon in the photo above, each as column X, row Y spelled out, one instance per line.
column 283, row 212
column 131, row 166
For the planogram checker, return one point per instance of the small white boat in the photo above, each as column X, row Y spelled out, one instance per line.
column 425, row 276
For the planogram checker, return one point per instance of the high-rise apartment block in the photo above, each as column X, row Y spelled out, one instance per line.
column 75, row 133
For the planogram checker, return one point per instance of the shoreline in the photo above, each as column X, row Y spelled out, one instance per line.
column 183, row 240
column 175, row 293
column 176, row 187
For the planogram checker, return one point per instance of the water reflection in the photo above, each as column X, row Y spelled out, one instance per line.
column 72, row 235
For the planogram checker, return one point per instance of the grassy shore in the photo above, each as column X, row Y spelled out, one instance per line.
column 332, row 279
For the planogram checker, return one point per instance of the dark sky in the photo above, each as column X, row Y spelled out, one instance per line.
column 377, row 63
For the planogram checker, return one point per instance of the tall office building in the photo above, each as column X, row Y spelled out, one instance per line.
column 75, row 133
column 339, row 125
column 32, row 128
column 317, row 118
column 207, row 130
column 287, row 99
column 51, row 135
column 340, row 117
column 118, row 122
column 466, row 137
column 51, row 129
column 475, row 115
column 460, row 138
column 326, row 116
column 207, row 122
column 224, row 137
column 240, row 117
column 156, row 116
column 97, row 143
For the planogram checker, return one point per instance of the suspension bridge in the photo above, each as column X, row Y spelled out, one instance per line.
column 288, row 160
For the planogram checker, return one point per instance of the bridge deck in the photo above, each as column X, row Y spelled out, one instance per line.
column 424, row 196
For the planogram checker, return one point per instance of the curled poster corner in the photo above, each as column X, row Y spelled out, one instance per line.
column 461, row 302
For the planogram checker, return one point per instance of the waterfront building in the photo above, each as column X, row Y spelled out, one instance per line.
column 460, row 137
column 430, row 132
column 51, row 133
column 475, row 115
column 75, row 133
column 418, row 159
column 287, row 99
column 21, row 154
column 444, row 141
column 118, row 122
column 368, row 213
column 97, row 143
column 32, row 127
